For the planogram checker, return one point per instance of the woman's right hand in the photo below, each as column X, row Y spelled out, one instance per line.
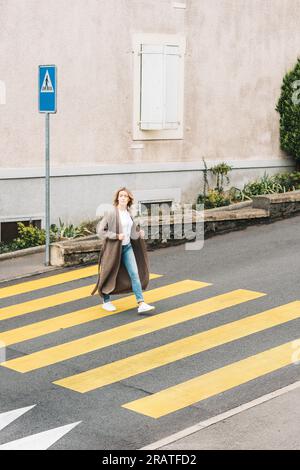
column 121, row 236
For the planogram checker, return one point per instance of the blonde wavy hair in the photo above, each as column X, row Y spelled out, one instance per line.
column 130, row 197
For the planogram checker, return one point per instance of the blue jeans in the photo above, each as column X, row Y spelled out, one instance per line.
column 128, row 259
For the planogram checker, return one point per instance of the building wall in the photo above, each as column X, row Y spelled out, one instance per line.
column 237, row 52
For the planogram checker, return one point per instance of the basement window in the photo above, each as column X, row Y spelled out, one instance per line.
column 9, row 230
column 148, row 208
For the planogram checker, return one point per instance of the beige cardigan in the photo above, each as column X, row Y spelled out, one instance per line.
column 107, row 228
column 113, row 277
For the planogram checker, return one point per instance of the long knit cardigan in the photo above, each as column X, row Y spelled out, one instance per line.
column 113, row 277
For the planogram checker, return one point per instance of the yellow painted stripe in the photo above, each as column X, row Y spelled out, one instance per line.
column 48, row 281
column 145, row 361
column 215, row 382
column 135, row 329
column 95, row 313
column 50, row 301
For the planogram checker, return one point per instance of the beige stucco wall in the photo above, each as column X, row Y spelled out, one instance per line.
column 90, row 42
column 237, row 52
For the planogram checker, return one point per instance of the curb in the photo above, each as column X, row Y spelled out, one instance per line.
column 218, row 418
column 37, row 249
column 24, row 252
column 35, row 273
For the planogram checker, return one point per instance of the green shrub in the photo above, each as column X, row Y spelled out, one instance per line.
column 289, row 181
column 67, row 231
column 265, row 185
column 279, row 183
column 289, row 109
column 213, row 199
column 237, row 195
column 29, row 236
column 216, row 197
column 89, row 227
column 220, row 171
column 8, row 247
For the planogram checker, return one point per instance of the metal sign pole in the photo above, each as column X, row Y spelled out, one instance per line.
column 47, row 201
column 47, row 105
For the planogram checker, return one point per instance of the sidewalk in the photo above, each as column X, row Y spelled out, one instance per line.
column 270, row 422
column 23, row 266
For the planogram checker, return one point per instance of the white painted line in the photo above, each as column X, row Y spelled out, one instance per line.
column 205, row 424
column 10, row 416
column 40, row 441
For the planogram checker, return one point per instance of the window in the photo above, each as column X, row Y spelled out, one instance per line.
column 158, row 86
column 9, row 230
column 148, row 208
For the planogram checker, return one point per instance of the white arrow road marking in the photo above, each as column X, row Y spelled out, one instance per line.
column 10, row 416
column 40, row 441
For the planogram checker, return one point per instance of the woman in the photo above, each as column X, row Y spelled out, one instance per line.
column 123, row 258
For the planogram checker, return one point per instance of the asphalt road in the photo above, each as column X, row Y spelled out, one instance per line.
column 259, row 260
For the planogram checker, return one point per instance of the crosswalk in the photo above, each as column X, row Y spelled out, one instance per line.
column 49, row 301
column 49, row 281
column 167, row 400
column 210, row 384
column 142, row 362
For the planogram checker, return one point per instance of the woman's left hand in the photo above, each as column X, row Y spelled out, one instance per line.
column 142, row 233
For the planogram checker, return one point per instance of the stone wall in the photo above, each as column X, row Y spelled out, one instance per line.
column 264, row 209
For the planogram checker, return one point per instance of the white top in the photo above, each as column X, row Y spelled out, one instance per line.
column 126, row 223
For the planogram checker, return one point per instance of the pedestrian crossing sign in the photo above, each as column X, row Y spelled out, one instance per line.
column 47, row 89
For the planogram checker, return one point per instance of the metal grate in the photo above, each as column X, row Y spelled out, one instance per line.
column 148, row 208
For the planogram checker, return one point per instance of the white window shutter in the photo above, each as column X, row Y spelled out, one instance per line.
column 159, row 87
column 152, row 87
column 171, row 87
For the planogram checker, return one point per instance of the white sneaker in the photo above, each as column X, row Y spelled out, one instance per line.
column 109, row 307
column 143, row 307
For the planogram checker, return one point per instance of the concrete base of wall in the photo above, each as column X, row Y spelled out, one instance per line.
column 261, row 210
column 76, row 197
